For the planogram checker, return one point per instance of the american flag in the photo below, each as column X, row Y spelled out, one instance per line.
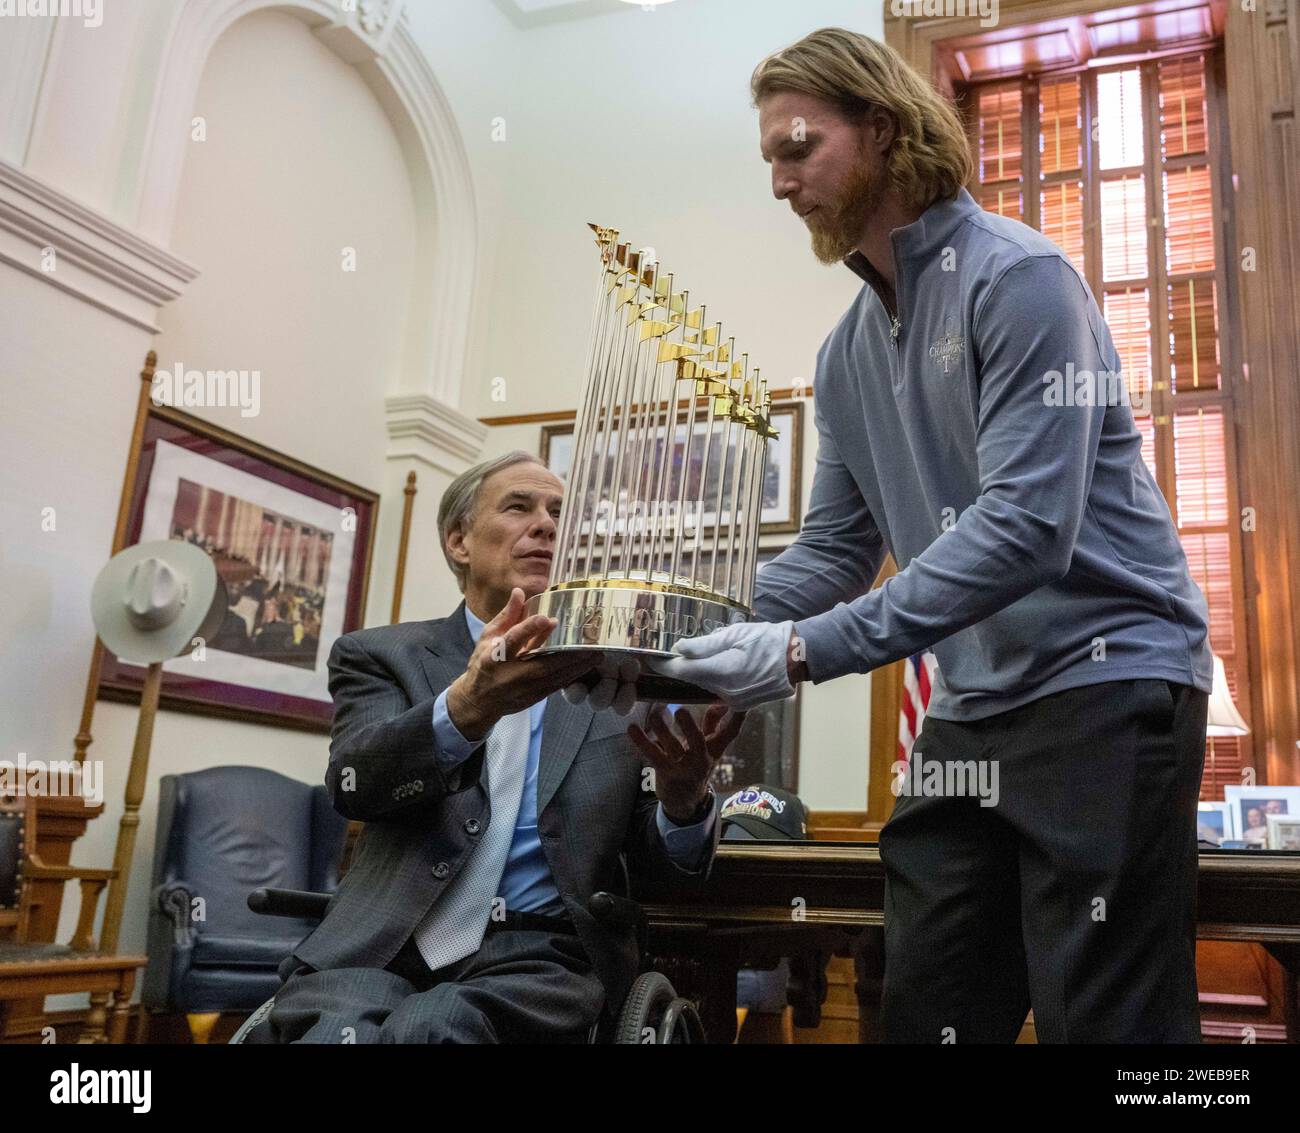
column 918, row 679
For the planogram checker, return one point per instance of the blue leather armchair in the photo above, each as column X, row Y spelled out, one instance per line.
column 222, row 833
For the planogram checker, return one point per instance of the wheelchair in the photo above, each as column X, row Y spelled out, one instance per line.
column 652, row 1013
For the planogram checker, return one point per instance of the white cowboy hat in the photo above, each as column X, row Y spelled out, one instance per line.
column 150, row 601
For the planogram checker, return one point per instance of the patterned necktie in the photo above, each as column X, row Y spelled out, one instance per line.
column 454, row 927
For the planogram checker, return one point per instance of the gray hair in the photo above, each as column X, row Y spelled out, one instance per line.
column 461, row 497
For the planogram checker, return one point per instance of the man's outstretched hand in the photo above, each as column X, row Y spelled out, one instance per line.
column 683, row 765
column 501, row 679
column 615, row 688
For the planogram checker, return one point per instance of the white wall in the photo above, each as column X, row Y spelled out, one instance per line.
column 632, row 118
column 641, row 120
column 290, row 173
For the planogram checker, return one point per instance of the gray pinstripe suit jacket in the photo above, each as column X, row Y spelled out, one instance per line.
column 382, row 770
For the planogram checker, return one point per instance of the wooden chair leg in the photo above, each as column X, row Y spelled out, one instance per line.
column 787, row 1025
column 763, row 1029
column 96, row 1017
column 201, row 1025
column 121, row 1010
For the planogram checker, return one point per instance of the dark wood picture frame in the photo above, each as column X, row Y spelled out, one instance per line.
column 118, row 681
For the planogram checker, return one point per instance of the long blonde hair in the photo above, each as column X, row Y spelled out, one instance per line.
column 930, row 158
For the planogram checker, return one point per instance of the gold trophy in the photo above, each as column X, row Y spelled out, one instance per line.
column 658, row 534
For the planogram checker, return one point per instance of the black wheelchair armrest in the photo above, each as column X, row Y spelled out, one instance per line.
column 289, row 903
column 614, row 911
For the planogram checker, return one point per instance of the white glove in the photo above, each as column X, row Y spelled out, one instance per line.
column 743, row 665
column 616, row 688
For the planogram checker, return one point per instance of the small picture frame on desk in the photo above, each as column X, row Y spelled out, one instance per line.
column 1214, row 822
column 1252, row 806
column 1283, row 832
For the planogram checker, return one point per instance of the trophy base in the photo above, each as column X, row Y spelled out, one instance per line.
column 642, row 619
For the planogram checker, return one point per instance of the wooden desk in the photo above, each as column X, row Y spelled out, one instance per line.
column 768, row 900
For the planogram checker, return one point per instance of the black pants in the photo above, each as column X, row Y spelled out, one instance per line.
column 1075, row 893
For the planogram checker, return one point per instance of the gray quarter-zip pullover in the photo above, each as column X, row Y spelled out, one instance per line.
column 1035, row 551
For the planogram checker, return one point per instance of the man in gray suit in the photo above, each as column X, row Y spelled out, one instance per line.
column 494, row 807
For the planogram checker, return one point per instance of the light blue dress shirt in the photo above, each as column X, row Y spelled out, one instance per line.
column 526, row 884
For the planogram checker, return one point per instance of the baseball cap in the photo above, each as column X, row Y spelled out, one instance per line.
column 766, row 813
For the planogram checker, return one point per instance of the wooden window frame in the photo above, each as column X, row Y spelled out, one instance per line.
column 1258, row 329
column 1153, row 168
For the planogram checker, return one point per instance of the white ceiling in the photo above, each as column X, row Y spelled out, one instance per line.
column 532, row 13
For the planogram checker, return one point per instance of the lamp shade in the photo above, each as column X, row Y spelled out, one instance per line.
column 1223, row 718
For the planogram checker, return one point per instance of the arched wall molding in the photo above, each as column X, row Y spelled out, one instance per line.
column 374, row 39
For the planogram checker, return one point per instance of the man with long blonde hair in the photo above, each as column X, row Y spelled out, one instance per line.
column 1037, row 559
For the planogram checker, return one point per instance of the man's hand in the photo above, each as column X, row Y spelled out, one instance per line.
column 500, row 680
column 744, row 665
column 683, row 767
column 615, row 689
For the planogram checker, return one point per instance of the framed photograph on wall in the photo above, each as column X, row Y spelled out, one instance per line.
column 767, row 749
column 781, row 478
column 292, row 545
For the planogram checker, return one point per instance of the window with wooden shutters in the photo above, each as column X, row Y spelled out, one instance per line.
column 1000, row 151
column 1118, row 166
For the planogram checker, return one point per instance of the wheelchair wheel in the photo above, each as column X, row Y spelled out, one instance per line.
column 653, row 1013
column 256, row 1018
column 681, row 1025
